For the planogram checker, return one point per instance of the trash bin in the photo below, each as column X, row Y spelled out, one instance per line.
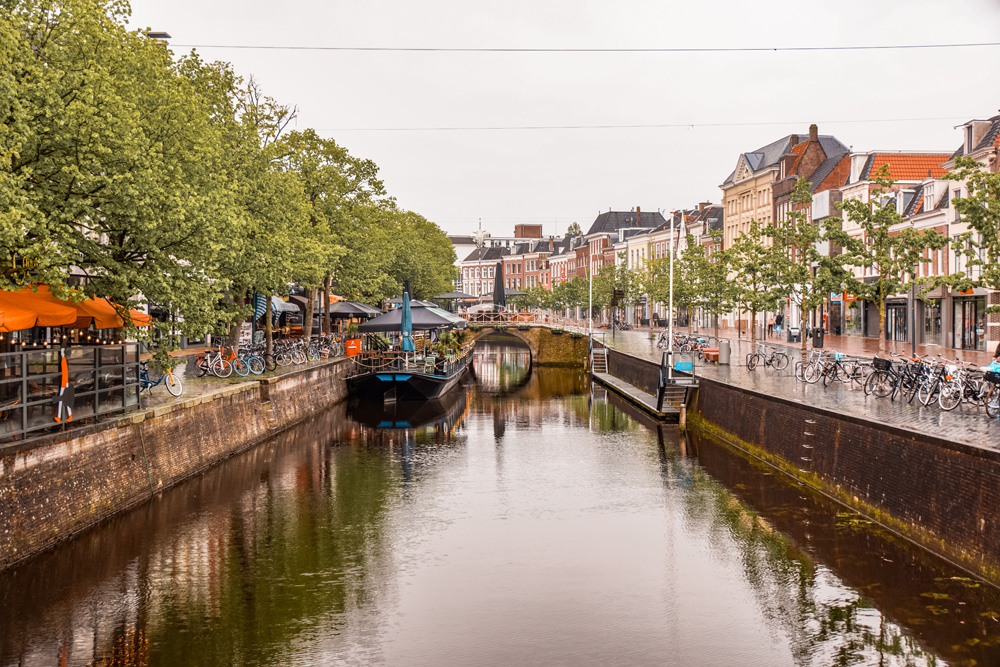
column 760, row 331
column 724, row 351
column 817, row 338
column 794, row 335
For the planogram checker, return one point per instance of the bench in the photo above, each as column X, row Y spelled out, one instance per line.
column 710, row 354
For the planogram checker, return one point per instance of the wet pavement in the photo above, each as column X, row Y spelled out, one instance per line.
column 967, row 424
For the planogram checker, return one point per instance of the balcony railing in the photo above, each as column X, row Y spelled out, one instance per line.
column 104, row 378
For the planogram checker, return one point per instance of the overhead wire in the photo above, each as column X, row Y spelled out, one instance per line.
column 458, row 128
column 678, row 49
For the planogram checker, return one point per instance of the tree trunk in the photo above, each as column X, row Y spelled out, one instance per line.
column 327, row 320
column 234, row 329
column 753, row 331
column 881, row 326
column 268, row 328
column 805, row 352
column 307, row 324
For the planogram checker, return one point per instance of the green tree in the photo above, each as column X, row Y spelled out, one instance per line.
column 113, row 159
column 754, row 263
column 708, row 277
column 803, row 273
column 574, row 229
column 980, row 211
column 886, row 249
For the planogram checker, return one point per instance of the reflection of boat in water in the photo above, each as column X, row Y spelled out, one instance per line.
column 408, row 414
column 405, row 376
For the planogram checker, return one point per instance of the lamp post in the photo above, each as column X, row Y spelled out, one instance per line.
column 913, row 311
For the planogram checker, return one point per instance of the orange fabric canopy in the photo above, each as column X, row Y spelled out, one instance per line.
column 53, row 312
column 24, row 309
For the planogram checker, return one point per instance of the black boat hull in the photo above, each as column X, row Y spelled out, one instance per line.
column 402, row 386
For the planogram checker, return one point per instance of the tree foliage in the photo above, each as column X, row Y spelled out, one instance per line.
column 885, row 249
column 172, row 181
column 980, row 211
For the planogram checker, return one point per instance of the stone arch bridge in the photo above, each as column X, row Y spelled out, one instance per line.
column 548, row 347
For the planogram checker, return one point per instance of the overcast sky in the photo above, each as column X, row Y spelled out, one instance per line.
column 736, row 102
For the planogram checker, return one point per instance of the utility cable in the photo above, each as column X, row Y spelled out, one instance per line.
column 619, row 127
column 693, row 49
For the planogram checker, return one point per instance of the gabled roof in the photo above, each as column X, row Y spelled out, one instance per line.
column 771, row 154
column 991, row 138
column 485, row 254
column 827, row 175
column 461, row 240
column 906, row 166
column 611, row 221
column 916, row 204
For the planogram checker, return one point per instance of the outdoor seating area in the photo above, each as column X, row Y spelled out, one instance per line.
column 63, row 362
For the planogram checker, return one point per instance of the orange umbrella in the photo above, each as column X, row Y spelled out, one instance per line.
column 98, row 311
column 25, row 309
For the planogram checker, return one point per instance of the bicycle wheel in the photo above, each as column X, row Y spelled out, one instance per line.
column 832, row 375
column 950, row 395
column 202, row 367
column 270, row 363
column 780, row 361
column 283, row 359
column 927, row 391
column 685, row 348
column 256, row 365
column 993, row 402
column 812, row 373
column 881, row 383
column 752, row 361
column 241, row 368
column 313, row 353
column 221, row 368
column 799, row 371
column 173, row 384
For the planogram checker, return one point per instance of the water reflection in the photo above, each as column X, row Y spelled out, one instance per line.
column 544, row 524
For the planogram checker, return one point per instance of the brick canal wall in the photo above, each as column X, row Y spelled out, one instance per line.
column 61, row 485
column 941, row 494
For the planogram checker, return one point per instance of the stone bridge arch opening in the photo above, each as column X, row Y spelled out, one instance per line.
column 548, row 347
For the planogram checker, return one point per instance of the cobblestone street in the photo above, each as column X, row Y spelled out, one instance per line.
column 967, row 424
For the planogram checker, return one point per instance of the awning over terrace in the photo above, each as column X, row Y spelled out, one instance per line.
column 52, row 312
column 22, row 311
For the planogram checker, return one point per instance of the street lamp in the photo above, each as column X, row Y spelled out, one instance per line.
column 913, row 311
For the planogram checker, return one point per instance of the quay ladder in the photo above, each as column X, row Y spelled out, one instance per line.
column 599, row 360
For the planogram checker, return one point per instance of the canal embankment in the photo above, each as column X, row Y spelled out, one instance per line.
column 939, row 492
column 55, row 487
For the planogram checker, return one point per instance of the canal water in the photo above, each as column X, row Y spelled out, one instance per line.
column 528, row 519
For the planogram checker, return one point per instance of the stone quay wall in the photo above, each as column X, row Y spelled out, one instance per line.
column 941, row 494
column 56, row 487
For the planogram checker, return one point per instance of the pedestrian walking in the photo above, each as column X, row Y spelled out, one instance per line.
column 770, row 326
column 779, row 319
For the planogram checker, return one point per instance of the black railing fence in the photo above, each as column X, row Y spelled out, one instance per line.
column 104, row 380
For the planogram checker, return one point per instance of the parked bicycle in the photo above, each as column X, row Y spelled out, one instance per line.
column 770, row 358
column 167, row 379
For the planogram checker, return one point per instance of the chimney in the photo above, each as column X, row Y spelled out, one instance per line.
column 793, row 140
column 638, row 216
column 813, row 132
column 703, row 205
